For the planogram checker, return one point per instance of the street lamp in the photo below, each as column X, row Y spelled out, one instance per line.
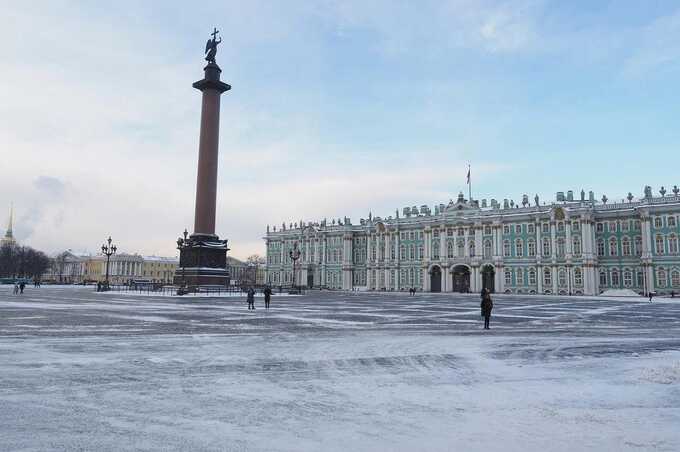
column 108, row 251
column 294, row 256
column 182, row 244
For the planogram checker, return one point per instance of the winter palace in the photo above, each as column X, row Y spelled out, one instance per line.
column 572, row 245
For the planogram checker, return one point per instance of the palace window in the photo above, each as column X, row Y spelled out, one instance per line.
column 578, row 277
column 402, row 252
column 576, row 226
column 506, row 229
column 519, row 248
column 518, row 229
column 547, row 277
column 472, row 248
column 531, row 248
column 487, row 249
column 392, row 251
column 615, row 277
column 637, row 225
column 659, row 244
column 560, row 247
column 545, row 228
column 435, row 233
column 546, row 246
column 560, row 226
column 561, row 277
column 373, row 253
column 658, row 223
column 661, row 277
column 461, row 248
column 531, row 228
column 613, row 247
column 638, row 246
column 508, row 277
column 625, row 246
column 520, row 277
column 612, row 226
column 461, row 232
column 599, row 227
column 412, row 235
column 671, row 222
column 672, row 244
column 532, row 277
column 625, row 226
column 603, row 278
column 576, row 242
column 627, row 278
column 450, row 250
column 449, row 232
column 421, row 253
column 487, row 230
column 435, row 250
column 675, row 278
column 640, row 278
column 392, row 278
column 506, row 248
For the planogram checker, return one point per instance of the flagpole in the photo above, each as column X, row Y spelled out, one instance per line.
column 469, row 184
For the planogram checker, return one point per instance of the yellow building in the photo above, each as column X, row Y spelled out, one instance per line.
column 159, row 269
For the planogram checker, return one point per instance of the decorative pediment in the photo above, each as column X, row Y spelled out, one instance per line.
column 460, row 207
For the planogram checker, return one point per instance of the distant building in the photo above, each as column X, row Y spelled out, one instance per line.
column 569, row 246
column 159, row 269
column 8, row 239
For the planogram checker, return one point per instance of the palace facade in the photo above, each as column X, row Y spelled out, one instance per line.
column 569, row 246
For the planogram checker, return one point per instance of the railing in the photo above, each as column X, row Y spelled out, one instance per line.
column 168, row 290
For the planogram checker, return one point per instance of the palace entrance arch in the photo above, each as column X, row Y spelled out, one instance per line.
column 488, row 280
column 461, row 278
column 436, row 279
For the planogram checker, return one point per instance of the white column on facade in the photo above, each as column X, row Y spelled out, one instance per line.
column 554, row 279
column 568, row 248
column 479, row 247
column 443, row 256
column 553, row 240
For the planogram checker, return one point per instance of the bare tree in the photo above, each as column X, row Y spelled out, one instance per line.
column 253, row 263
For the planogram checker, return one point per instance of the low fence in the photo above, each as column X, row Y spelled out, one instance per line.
column 166, row 290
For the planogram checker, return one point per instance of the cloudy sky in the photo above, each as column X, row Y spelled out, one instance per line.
column 337, row 108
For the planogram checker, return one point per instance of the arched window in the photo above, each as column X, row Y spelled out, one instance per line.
column 520, row 276
column 613, row 247
column 412, row 254
column 603, row 278
column 560, row 246
column 562, row 277
column 657, row 222
column 402, row 252
column 487, row 249
column 531, row 248
column 672, row 243
column 578, row 277
column 519, row 248
column 638, row 246
column 532, row 277
column 600, row 247
column 615, row 278
column 508, row 277
column 546, row 246
column 461, row 247
column 506, row 248
column 675, row 278
column 472, row 248
column 576, row 242
column 450, row 250
column 661, row 277
column 625, row 246
column 421, row 252
column 658, row 241
column 435, row 250
column 627, row 278
column 547, row 278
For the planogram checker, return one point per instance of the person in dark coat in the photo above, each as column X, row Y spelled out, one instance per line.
column 251, row 299
column 267, row 297
column 487, row 306
column 22, row 286
column 651, row 295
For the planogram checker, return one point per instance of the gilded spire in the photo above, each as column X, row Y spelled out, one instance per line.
column 9, row 237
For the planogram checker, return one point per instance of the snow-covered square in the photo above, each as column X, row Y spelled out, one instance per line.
column 81, row 370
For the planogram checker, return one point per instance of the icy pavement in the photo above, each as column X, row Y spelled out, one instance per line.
column 336, row 371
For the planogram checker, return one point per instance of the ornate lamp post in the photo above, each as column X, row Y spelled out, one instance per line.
column 182, row 244
column 108, row 250
column 294, row 256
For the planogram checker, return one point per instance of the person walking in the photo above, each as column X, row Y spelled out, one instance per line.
column 267, row 297
column 251, row 299
column 22, row 286
column 487, row 306
column 651, row 295
column 16, row 289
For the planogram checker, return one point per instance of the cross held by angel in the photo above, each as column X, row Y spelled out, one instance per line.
column 211, row 46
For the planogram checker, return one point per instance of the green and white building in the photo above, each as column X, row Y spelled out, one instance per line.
column 569, row 246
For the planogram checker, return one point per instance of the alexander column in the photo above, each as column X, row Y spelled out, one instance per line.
column 203, row 256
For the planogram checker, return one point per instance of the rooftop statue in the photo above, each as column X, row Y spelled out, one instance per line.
column 211, row 47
